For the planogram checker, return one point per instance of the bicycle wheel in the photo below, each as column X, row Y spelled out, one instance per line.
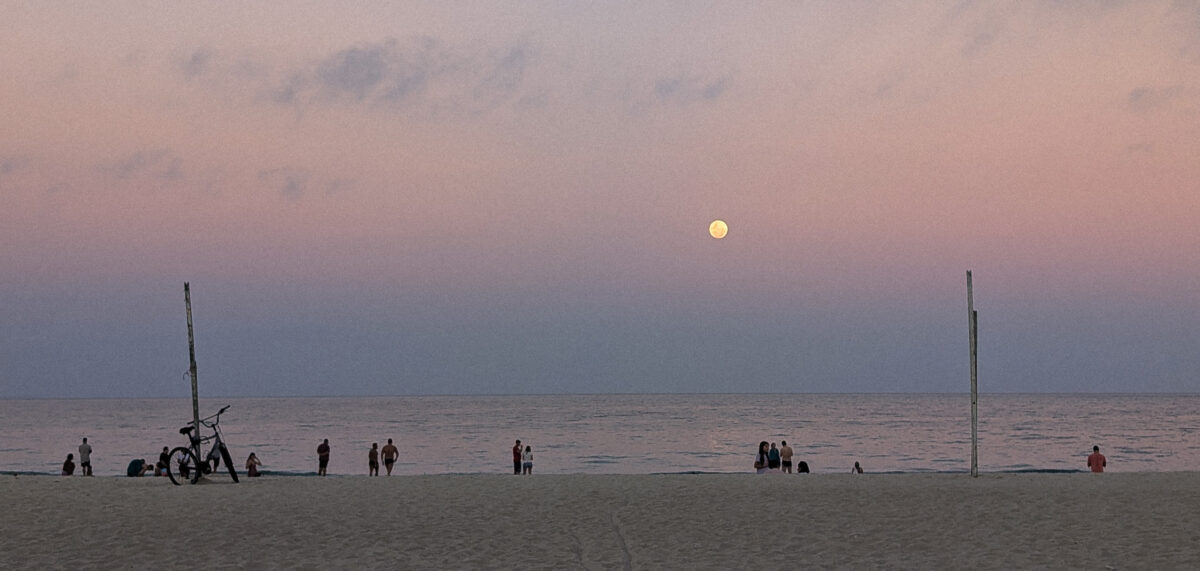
column 182, row 466
column 228, row 462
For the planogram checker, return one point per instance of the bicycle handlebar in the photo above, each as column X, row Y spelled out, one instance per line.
column 204, row 420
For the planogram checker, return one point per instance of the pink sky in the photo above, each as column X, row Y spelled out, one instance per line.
column 555, row 166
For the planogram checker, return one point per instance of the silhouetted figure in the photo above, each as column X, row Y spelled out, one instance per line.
column 1097, row 461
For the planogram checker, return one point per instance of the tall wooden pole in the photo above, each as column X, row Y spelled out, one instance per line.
column 973, row 321
column 187, row 299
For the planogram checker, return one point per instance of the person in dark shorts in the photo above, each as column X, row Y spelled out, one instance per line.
column 373, row 460
column 773, row 460
column 85, row 458
column 785, row 456
column 390, row 453
column 322, row 457
column 517, row 458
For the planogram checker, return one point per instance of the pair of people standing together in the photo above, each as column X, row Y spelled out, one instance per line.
column 522, row 459
column 390, row 454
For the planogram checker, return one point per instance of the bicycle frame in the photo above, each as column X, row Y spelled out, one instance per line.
column 185, row 459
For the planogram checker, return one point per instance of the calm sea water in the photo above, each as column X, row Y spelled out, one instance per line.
column 627, row 434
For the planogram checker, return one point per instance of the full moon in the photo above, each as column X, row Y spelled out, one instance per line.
column 718, row 229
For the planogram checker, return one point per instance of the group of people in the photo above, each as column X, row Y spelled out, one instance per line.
column 768, row 459
column 771, row 459
column 85, row 461
column 388, row 454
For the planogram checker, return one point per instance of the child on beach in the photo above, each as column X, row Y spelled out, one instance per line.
column 69, row 465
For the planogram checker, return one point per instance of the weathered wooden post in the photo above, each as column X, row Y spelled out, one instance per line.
column 187, row 298
column 973, row 322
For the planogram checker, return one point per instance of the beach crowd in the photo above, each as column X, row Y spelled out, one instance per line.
column 768, row 459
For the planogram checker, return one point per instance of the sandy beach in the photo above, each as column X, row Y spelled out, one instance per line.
column 914, row 521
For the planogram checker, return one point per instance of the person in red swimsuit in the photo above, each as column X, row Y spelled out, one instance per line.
column 1097, row 461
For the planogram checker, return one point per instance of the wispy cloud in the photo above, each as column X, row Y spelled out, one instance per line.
column 420, row 71
column 161, row 164
column 687, row 89
column 1146, row 98
column 10, row 165
column 292, row 183
column 196, row 63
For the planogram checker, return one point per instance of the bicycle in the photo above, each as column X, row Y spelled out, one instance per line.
column 185, row 461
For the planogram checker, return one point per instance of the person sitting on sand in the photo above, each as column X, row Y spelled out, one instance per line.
column 527, row 461
column 857, row 469
column 69, row 465
column 252, row 464
column 802, row 467
column 164, row 459
column 373, row 460
column 390, row 453
column 760, row 459
column 138, row 467
column 1096, row 461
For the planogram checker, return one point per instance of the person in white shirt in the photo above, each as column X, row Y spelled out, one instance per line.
column 85, row 458
column 527, row 461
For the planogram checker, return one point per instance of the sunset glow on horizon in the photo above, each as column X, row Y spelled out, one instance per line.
column 415, row 198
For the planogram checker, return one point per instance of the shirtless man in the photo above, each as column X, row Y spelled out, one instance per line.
column 785, row 455
column 1097, row 461
column 373, row 460
column 390, row 453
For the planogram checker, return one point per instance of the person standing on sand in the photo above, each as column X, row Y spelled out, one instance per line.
column 322, row 457
column 373, row 460
column 85, row 458
column 760, row 459
column 773, row 458
column 517, row 458
column 785, row 456
column 1097, row 461
column 527, row 461
column 390, row 453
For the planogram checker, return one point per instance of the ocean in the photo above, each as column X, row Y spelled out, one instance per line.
column 625, row 434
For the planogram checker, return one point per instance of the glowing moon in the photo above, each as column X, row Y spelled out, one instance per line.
column 718, row 229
